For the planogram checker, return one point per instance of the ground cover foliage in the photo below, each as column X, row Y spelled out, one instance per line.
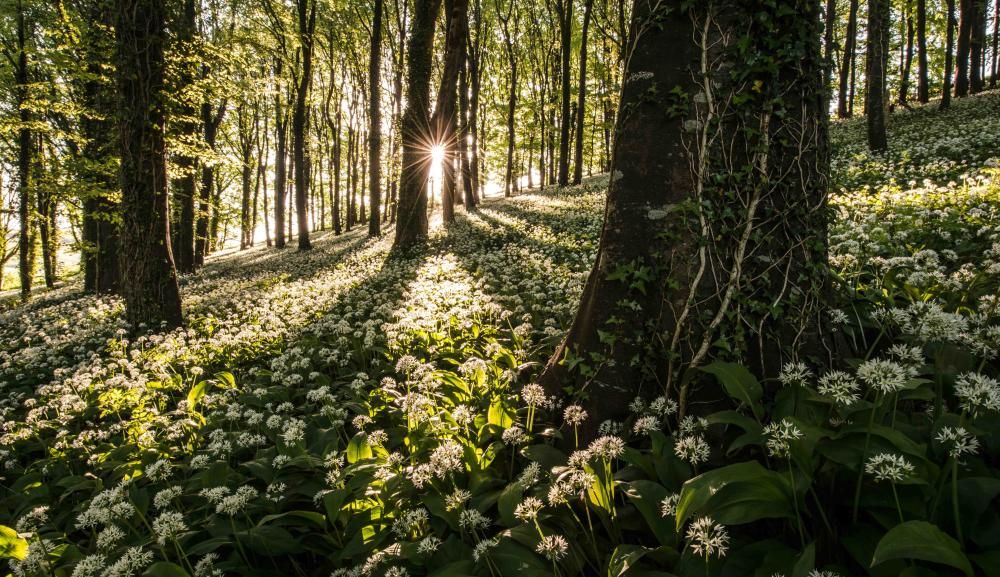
column 351, row 412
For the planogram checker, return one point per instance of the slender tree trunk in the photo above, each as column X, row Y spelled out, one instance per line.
column 185, row 188
column 375, row 124
column 280, row 166
column 300, row 127
column 977, row 41
column 203, row 239
column 411, row 224
column 964, row 47
column 948, row 56
column 581, row 98
column 152, row 296
column 850, row 47
column 508, row 39
column 565, row 9
column 877, row 59
column 463, row 138
column 907, row 62
column 25, row 159
column 995, row 67
column 923, row 73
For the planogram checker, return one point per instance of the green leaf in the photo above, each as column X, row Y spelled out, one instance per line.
column 11, row 545
column 165, row 569
column 922, row 541
column 647, row 497
column 623, row 558
column 289, row 518
column 508, row 501
column 545, row 455
column 739, row 383
column 806, row 563
column 736, row 494
column 359, row 448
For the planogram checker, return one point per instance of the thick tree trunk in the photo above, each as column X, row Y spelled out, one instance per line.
column 850, row 46
column 445, row 113
column 565, row 9
column 964, row 47
column 948, row 56
column 411, row 224
column 581, row 98
column 682, row 241
column 995, row 67
column 875, row 71
column 923, row 73
column 149, row 280
column 375, row 124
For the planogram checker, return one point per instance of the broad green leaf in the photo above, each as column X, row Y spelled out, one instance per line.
column 736, row 494
column 647, row 497
column 507, row 503
column 359, row 448
column 922, row 541
column 739, row 383
column 545, row 455
column 165, row 569
column 806, row 563
column 11, row 545
column 623, row 558
column 289, row 517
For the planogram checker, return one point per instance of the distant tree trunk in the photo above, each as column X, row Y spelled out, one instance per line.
column 565, row 10
column 186, row 121
column 475, row 76
column 877, row 59
column 463, row 138
column 948, row 55
column 581, row 98
column 47, row 228
column 977, row 41
column 149, row 280
column 411, row 224
column 964, row 47
column 445, row 113
column 685, row 284
column 262, row 165
column 337, row 153
column 907, row 62
column 923, row 73
column 375, row 124
column 280, row 166
column 995, row 68
column 210, row 121
column 300, row 127
column 850, row 44
column 101, row 214
column 506, row 18
column 25, row 159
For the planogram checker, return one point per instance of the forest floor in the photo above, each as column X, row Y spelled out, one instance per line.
column 288, row 394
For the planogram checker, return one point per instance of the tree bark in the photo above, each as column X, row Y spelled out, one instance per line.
column 149, row 280
column 677, row 184
column 25, row 158
column 964, row 47
column 877, row 60
column 565, row 9
column 581, row 98
column 512, row 89
column 977, row 41
column 923, row 74
column 300, row 128
column 850, row 46
column 907, row 62
column 185, row 187
column 280, row 164
column 949, row 52
column 375, row 124
column 411, row 224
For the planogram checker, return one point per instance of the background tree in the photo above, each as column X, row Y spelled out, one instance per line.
column 876, row 105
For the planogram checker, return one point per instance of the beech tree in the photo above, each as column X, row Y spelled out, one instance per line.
column 709, row 154
column 877, row 58
column 149, row 279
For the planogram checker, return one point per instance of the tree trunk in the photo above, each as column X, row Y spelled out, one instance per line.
column 875, row 71
column 995, row 67
column 375, row 125
column 508, row 42
column 445, row 113
column 850, row 46
column 202, row 242
column 964, row 47
column 411, row 224
column 280, row 166
column 185, row 186
column 565, row 9
column 581, row 98
column 149, row 280
column 683, row 177
column 948, row 55
column 25, row 159
column 977, row 42
column 923, row 74
column 907, row 62
column 463, row 138
column 300, row 128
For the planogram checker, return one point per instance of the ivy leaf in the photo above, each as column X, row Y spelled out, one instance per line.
column 922, row 541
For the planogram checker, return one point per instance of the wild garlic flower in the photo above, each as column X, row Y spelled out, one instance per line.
column 794, row 375
column 90, row 566
column 608, row 447
column 31, row 521
column 527, row 510
column 839, row 386
column 977, row 393
column 446, row 458
column 131, row 563
column 428, row 545
column 692, row 449
column 779, row 437
column 159, row 470
column 530, row 475
column 233, row 504
column 533, row 395
column 958, row 440
column 463, row 415
column 888, row 467
column 663, row 407
column 886, row 377
column 574, row 415
column 109, row 537
column 553, row 547
column 691, row 425
column 456, row 500
column 645, row 425
column 482, row 548
column 514, row 435
column 668, row 506
column 206, row 566
column 409, row 522
column 707, row 538
column 473, row 520
column 168, row 526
